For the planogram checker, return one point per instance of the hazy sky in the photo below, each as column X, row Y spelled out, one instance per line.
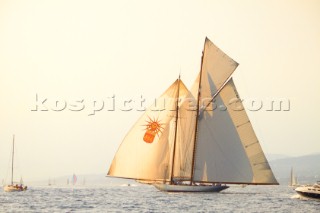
column 73, row 50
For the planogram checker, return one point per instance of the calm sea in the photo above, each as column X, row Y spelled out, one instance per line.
column 146, row 198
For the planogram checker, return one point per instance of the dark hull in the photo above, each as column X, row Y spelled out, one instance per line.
column 309, row 194
column 188, row 188
column 309, row 191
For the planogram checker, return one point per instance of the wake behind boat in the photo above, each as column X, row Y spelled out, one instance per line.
column 197, row 139
column 14, row 187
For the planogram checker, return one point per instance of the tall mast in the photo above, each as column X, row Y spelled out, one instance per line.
column 12, row 161
column 291, row 178
column 197, row 116
column 175, row 132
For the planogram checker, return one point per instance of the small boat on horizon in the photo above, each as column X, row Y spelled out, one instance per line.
column 293, row 179
column 14, row 187
column 74, row 179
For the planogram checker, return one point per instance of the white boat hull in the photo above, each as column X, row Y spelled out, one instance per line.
column 308, row 192
column 11, row 188
column 190, row 188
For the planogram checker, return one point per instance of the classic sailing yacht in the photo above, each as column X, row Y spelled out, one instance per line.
column 12, row 187
column 198, row 140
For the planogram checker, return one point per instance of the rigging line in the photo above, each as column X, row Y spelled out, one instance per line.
column 264, row 162
column 251, row 144
column 139, row 179
column 217, row 93
column 243, row 124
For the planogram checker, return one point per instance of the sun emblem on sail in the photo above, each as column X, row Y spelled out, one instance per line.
column 153, row 127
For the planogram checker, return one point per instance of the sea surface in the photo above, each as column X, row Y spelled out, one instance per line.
column 145, row 198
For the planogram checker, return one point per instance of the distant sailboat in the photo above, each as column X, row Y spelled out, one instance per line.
column 68, row 181
column 293, row 179
column 74, row 179
column 201, row 140
column 14, row 187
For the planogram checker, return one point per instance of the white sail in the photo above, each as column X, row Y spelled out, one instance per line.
column 146, row 150
column 293, row 179
column 227, row 147
column 216, row 68
column 185, row 138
